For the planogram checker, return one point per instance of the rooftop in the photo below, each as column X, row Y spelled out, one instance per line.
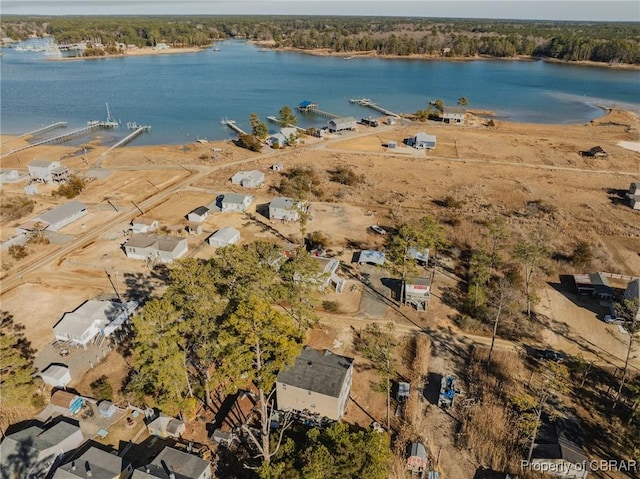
column 93, row 312
column 35, row 439
column 200, row 210
column 159, row 242
column 181, row 464
column 42, row 163
column 102, row 464
column 320, row 371
column 62, row 212
column 226, row 234
column 283, row 203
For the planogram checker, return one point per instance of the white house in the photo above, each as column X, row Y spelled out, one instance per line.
column 56, row 375
column 454, row 115
column 143, row 225
column 224, row 237
column 328, row 274
column 226, row 202
column 285, row 209
column 165, row 426
column 319, row 383
column 174, row 464
column 198, row 215
column 91, row 318
column 416, row 291
column 286, row 136
column 38, row 449
column 248, row 179
column 56, row 218
column 341, row 124
column 97, row 464
column 47, row 171
column 422, row 141
column 151, row 246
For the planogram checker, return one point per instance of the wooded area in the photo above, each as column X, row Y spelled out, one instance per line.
column 572, row 41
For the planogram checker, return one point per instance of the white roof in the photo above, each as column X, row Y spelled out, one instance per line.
column 62, row 212
column 424, row 137
column 250, row 175
column 42, row 163
column 226, row 234
column 93, row 313
column 56, row 373
column 371, row 256
column 287, row 132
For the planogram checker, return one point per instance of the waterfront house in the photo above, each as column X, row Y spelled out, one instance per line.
column 317, row 384
column 224, row 237
column 143, row 225
column 285, row 209
column 95, row 464
column 454, row 115
column 92, row 318
column 227, row 202
column 174, row 464
column 32, row 452
column 198, row 215
column 150, row 246
column 341, row 124
column 48, row 171
column 422, row 141
column 248, row 179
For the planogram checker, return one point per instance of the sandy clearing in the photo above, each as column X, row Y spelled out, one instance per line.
column 630, row 145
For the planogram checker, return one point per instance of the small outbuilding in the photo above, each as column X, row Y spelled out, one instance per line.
column 224, row 237
column 143, row 225
column 56, row 375
column 198, row 215
column 165, row 426
column 341, row 124
column 248, row 179
column 106, row 409
column 369, row 256
column 416, row 459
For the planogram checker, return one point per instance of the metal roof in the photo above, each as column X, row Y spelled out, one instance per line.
column 320, row 371
column 284, row 203
column 232, row 198
column 62, row 212
column 200, row 211
column 226, row 234
column 371, row 256
column 56, row 372
column 93, row 312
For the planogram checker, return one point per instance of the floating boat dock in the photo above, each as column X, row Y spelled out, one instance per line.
column 232, row 124
column 368, row 103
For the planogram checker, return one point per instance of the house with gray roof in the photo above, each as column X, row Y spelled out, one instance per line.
column 248, row 179
column 422, row 141
column 165, row 426
column 56, row 218
column 198, row 215
column 92, row 318
column 454, row 115
column 285, row 209
column 155, row 247
column 229, row 202
column 341, row 124
column 318, row 383
column 174, row 464
column 557, row 449
column 32, row 452
column 95, row 464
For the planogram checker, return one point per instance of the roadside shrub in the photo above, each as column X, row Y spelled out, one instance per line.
column 14, row 207
column 72, row 188
column 299, row 183
column 101, row 389
column 331, row 306
column 37, row 401
column 317, row 239
column 18, row 251
column 345, row 175
column 582, row 254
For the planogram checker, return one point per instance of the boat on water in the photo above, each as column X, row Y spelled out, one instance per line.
column 216, row 50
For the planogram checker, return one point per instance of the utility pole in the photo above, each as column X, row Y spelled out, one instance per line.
column 115, row 288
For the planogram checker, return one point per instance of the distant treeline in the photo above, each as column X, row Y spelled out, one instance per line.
column 573, row 41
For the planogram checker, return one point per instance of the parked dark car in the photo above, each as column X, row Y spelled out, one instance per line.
column 549, row 355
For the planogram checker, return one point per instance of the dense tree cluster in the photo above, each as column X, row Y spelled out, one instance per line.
column 573, row 41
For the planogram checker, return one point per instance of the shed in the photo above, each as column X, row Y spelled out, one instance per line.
column 371, row 257
column 341, row 124
column 106, row 409
column 392, row 144
column 422, row 141
column 143, row 225
column 193, row 228
column 56, row 375
column 165, row 426
column 198, row 215
column 224, row 237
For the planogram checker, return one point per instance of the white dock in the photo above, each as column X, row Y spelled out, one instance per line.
column 57, row 139
column 129, row 137
column 232, row 124
column 368, row 103
column 44, row 129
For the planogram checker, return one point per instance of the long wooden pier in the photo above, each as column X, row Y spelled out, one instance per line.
column 57, row 139
column 368, row 103
column 129, row 137
column 232, row 124
column 313, row 108
column 44, row 129
column 273, row 119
